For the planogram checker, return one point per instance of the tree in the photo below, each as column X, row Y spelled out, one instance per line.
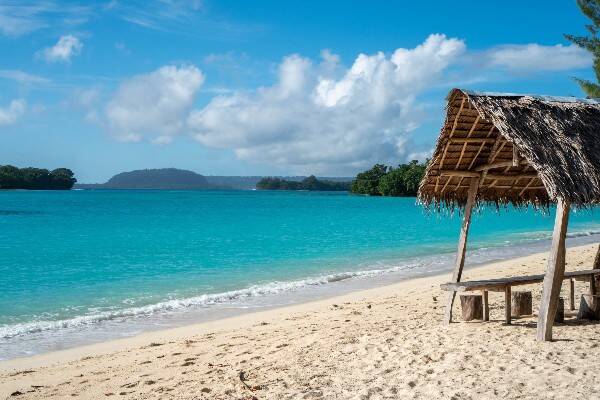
column 368, row 182
column 413, row 175
column 388, row 181
column 392, row 183
column 10, row 177
column 35, row 178
column 591, row 9
column 62, row 178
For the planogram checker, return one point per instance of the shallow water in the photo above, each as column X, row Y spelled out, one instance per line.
column 85, row 266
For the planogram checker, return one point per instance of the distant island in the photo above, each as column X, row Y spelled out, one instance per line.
column 382, row 180
column 180, row 179
column 163, row 178
column 310, row 183
column 30, row 178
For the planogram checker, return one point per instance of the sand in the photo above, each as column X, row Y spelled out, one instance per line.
column 383, row 343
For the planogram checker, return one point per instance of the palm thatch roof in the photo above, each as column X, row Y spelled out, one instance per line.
column 524, row 150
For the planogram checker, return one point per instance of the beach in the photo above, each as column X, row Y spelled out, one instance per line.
column 385, row 342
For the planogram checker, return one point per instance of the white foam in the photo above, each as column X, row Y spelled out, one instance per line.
column 270, row 288
column 423, row 264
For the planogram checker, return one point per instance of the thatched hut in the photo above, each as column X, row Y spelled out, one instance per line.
column 520, row 150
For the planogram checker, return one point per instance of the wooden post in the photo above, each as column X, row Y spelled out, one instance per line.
column 486, row 306
column 521, row 303
column 559, row 317
column 462, row 246
column 472, row 307
column 571, row 294
column 507, row 306
column 554, row 273
column 589, row 307
column 592, row 285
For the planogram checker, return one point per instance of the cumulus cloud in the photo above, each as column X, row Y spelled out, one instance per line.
column 10, row 114
column 326, row 118
column 535, row 57
column 66, row 47
column 155, row 104
column 321, row 116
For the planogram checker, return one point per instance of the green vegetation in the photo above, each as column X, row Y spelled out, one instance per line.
column 310, row 183
column 591, row 9
column 35, row 178
column 389, row 181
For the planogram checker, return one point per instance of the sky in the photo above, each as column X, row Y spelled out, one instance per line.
column 262, row 87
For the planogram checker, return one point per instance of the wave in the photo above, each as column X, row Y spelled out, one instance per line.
column 205, row 300
column 424, row 264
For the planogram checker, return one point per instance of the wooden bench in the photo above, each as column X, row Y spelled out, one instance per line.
column 505, row 284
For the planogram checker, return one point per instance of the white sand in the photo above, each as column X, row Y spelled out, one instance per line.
column 384, row 343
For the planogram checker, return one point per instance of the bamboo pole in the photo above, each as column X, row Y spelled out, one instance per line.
column 462, row 245
column 554, row 273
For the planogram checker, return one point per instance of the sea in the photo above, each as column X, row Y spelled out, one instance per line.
column 85, row 266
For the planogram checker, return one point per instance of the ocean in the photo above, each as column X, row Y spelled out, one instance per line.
column 83, row 266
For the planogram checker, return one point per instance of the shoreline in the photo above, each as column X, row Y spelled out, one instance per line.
column 249, row 318
column 343, row 283
column 384, row 342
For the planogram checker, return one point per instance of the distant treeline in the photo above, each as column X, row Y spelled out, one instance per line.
column 36, row 178
column 310, row 183
column 382, row 180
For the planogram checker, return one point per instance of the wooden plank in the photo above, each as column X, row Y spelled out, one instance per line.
column 462, row 245
column 481, row 147
column 515, row 160
column 464, row 174
column 507, row 177
column 507, row 300
column 500, row 147
column 571, row 294
column 526, row 186
column 471, row 174
column 486, row 305
column 470, row 140
column 499, row 187
column 462, row 104
column 462, row 153
column 446, row 184
column 499, row 164
column 554, row 273
column 500, row 283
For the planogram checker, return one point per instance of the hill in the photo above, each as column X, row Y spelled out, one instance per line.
column 164, row 178
column 179, row 179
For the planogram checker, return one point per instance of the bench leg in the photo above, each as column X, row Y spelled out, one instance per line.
column 571, row 294
column 449, row 304
column 486, row 306
column 507, row 305
column 592, row 285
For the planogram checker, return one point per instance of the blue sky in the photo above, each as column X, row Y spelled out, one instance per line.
column 261, row 87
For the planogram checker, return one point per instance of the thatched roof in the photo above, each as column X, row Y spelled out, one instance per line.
column 525, row 149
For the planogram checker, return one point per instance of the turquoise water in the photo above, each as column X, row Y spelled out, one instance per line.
column 78, row 262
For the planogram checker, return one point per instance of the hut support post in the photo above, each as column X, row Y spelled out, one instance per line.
column 462, row 246
column 554, row 273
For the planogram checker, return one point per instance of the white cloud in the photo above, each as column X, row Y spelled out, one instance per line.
column 9, row 115
column 157, row 14
column 26, row 16
column 325, row 118
column 154, row 104
column 536, row 58
column 66, row 47
column 321, row 116
column 21, row 76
